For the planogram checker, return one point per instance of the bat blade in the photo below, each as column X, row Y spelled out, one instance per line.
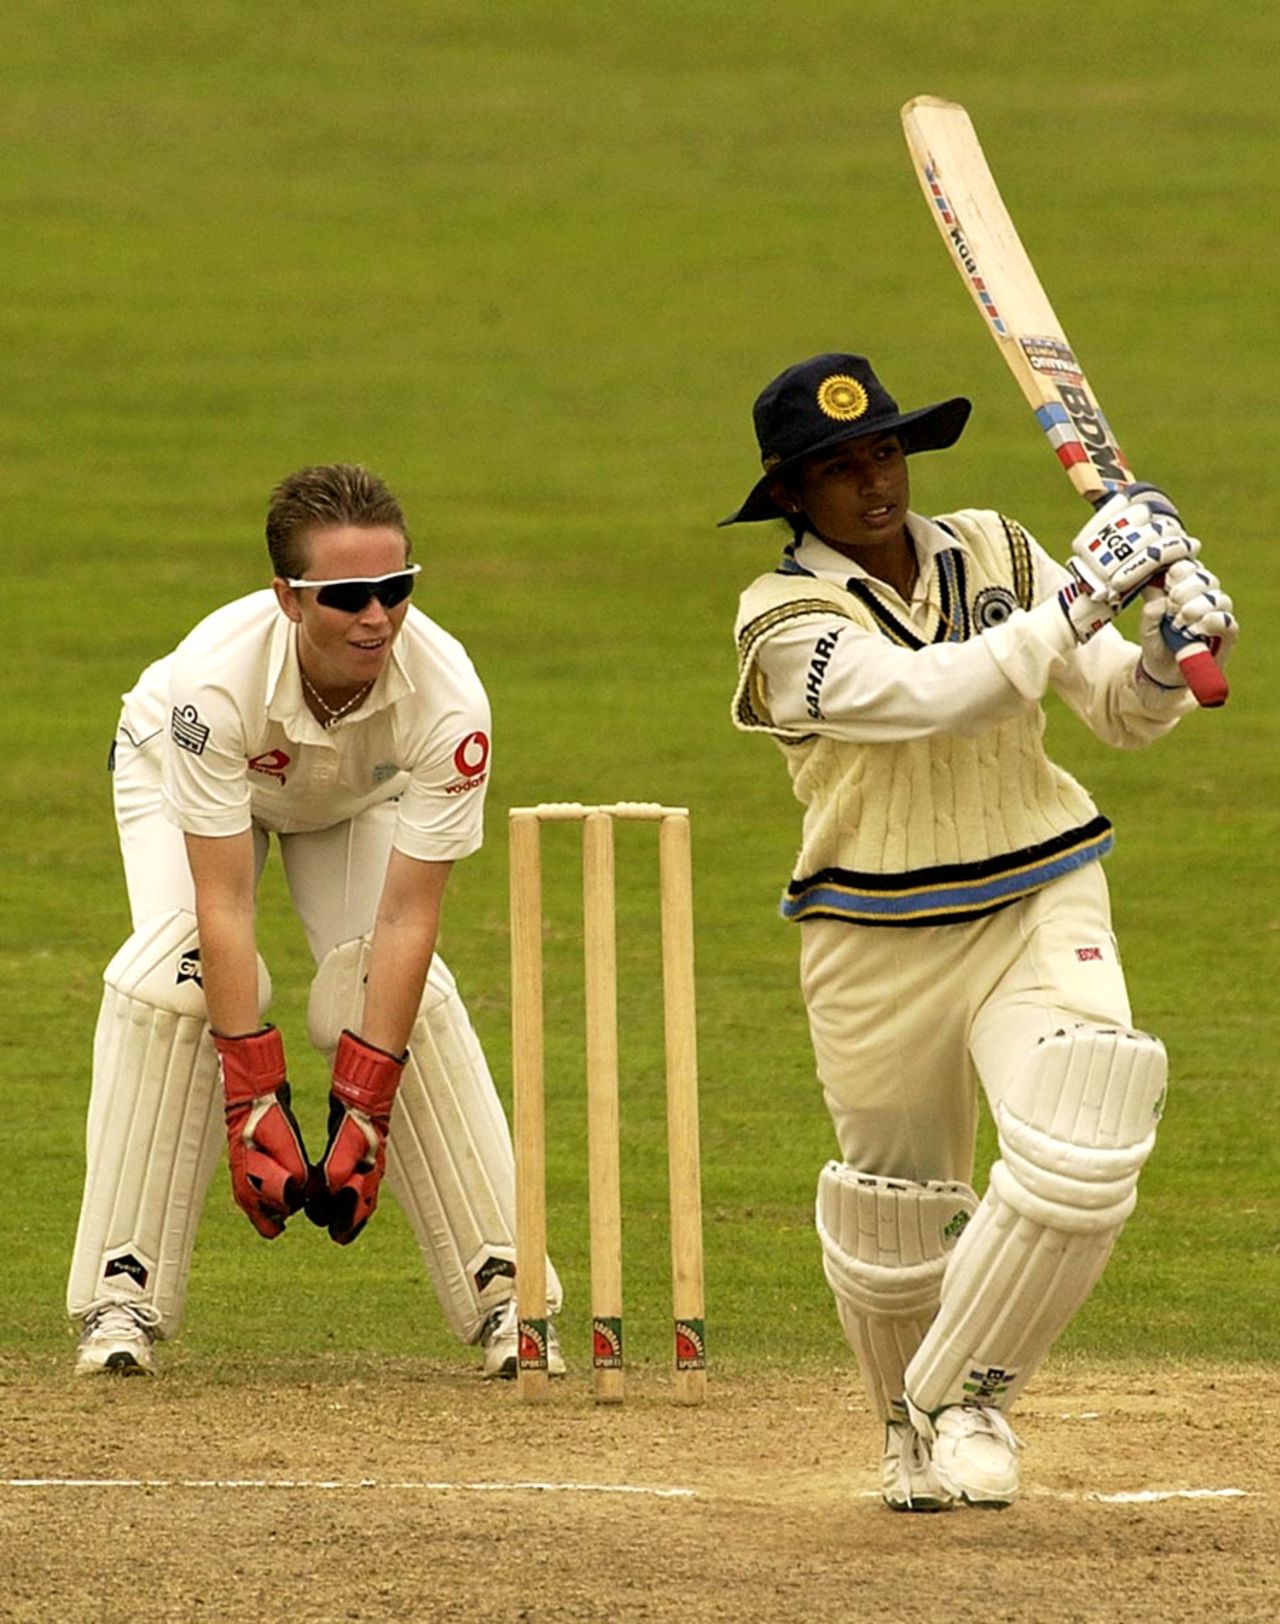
column 985, row 247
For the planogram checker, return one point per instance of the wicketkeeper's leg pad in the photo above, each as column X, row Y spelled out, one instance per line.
column 1074, row 1132
column 154, row 1131
column 885, row 1245
column 450, row 1163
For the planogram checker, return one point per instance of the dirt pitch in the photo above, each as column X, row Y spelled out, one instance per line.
column 413, row 1493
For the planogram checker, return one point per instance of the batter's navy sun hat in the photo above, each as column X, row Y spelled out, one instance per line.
column 828, row 399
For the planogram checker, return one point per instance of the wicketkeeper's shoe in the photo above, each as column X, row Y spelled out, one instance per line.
column 500, row 1339
column 117, row 1339
column 975, row 1455
column 908, row 1481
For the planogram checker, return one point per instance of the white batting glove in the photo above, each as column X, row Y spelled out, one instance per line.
column 1192, row 597
column 1124, row 546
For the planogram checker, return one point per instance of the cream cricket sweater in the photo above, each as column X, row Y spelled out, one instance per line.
column 942, row 826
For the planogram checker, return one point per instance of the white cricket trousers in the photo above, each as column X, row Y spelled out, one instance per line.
column 906, row 1022
column 335, row 875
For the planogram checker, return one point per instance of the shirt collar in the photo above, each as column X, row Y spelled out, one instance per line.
column 825, row 562
column 286, row 702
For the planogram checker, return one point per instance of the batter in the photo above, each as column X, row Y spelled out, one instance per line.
column 955, row 923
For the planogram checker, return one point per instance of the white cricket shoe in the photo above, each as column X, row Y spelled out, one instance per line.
column 117, row 1338
column 975, row 1455
column 908, row 1481
column 500, row 1339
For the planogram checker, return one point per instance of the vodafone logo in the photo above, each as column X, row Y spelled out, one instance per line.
column 472, row 755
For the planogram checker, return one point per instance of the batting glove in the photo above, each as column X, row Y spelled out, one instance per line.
column 344, row 1185
column 1126, row 544
column 269, row 1168
column 1192, row 597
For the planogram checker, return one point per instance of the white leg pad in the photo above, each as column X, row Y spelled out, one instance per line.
column 154, row 1127
column 450, row 1163
column 885, row 1245
column 1074, row 1133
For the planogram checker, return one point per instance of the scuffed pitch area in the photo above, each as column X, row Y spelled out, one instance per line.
column 415, row 1493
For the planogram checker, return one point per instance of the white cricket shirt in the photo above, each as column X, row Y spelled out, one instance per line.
column 240, row 746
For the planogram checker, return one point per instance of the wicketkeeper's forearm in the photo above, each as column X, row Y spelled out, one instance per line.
column 398, row 962
column 229, row 969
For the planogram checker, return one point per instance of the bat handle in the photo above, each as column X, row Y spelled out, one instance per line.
column 1204, row 676
column 1202, row 673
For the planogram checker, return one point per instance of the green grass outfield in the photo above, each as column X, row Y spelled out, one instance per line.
column 532, row 263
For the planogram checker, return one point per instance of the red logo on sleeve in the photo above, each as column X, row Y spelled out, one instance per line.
column 472, row 755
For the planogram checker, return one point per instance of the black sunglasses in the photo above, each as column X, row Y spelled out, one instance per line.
column 351, row 595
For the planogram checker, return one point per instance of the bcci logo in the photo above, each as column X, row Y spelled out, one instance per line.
column 842, row 397
column 993, row 606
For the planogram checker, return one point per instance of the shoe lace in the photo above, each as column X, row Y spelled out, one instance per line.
column 910, row 1452
column 981, row 1418
column 123, row 1317
column 502, row 1319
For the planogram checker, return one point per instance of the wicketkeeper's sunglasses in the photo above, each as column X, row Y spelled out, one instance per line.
column 351, row 596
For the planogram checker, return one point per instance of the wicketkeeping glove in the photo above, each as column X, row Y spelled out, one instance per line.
column 344, row 1185
column 269, row 1168
column 1124, row 546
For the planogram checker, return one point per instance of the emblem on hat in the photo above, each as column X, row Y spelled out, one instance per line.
column 842, row 397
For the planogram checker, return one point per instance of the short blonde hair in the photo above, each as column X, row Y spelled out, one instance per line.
column 329, row 494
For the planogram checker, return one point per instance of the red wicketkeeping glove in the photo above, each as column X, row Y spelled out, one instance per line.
column 269, row 1168
column 344, row 1185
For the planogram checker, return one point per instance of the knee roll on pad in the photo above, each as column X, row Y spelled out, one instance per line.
column 337, row 994
column 154, row 1131
column 159, row 966
column 449, row 1158
column 885, row 1244
column 1074, row 1133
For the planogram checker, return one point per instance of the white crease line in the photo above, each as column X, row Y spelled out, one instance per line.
column 1125, row 1498
column 1132, row 1497
column 340, row 1483
column 1145, row 1496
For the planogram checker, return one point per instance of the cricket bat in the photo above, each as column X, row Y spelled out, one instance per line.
column 975, row 225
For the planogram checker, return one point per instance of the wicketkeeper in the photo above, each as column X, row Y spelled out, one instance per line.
column 955, row 923
column 328, row 712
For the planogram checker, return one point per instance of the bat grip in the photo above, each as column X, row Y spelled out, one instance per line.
column 1201, row 672
column 1205, row 678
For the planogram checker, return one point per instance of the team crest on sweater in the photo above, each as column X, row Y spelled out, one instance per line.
column 993, row 606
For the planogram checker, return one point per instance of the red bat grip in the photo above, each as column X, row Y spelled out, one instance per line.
column 1205, row 678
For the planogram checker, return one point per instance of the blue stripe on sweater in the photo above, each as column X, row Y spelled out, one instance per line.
column 942, row 903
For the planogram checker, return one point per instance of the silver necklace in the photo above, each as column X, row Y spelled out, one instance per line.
column 330, row 714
